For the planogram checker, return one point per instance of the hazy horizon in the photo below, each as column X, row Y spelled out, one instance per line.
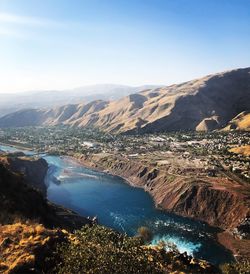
column 59, row 45
column 106, row 84
column 73, row 88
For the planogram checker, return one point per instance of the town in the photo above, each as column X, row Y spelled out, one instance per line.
column 182, row 152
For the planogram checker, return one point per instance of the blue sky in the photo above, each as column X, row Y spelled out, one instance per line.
column 60, row 44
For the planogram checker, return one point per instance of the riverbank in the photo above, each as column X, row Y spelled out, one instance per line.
column 32, row 191
column 17, row 145
column 197, row 198
column 146, row 177
column 125, row 209
column 239, row 247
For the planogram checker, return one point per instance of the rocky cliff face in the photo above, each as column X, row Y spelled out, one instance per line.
column 203, row 104
column 34, row 170
column 20, row 201
column 218, row 202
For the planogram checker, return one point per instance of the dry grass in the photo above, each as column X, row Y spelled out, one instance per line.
column 244, row 150
column 244, row 123
column 240, row 122
column 22, row 244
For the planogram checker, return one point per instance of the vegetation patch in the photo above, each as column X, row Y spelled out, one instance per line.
column 98, row 249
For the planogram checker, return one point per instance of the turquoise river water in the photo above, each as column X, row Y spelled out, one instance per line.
column 124, row 208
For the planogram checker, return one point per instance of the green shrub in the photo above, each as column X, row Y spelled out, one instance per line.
column 101, row 250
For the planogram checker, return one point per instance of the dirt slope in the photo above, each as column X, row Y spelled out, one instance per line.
column 213, row 102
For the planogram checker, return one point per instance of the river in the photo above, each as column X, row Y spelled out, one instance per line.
column 125, row 208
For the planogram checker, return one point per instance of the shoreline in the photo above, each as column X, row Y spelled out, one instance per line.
column 17, row 146
column 75, row 159
column 218, row 235
column 127, row 181
column 237, row 246
column 220, row 239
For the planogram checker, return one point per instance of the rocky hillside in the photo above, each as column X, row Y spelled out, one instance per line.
column 218, row 201
column 33, row 170
column 240, row 122
column 216, row 101
column 53, row 98
column 21, row 200
column 215, row 200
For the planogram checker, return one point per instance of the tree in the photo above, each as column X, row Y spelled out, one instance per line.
column 145, row 234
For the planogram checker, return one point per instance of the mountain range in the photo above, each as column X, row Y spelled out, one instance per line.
column 51, row 98
column 218, row 101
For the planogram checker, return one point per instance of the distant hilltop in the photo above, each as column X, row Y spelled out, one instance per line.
column 53, row 98
column 218, row 101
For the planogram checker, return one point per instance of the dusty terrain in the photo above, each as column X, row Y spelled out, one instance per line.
column 212, row 102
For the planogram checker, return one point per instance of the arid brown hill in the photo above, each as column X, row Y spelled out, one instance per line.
column 216, row 101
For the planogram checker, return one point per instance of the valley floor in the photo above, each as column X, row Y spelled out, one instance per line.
column 195, row 175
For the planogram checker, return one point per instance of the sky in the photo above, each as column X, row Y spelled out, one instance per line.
column 61, row 44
